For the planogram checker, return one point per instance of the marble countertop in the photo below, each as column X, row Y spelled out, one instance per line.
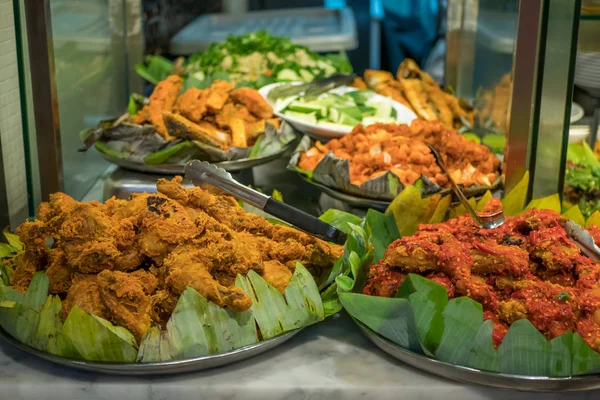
column 330, row 360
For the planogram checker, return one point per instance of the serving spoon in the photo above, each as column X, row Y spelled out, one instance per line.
column 203, row 172
column 574, row 231
column 487, row 221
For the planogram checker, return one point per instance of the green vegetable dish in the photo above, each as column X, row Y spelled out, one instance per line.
column 255, row 60
column 168, row 276
column 343, row 109
column 582, row 180
column 412, row 295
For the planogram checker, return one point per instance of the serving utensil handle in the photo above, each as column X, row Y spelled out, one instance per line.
column 304, row 221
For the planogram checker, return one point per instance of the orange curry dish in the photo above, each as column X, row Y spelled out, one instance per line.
column 402, row 150
column 527, row 268
column 220, row 115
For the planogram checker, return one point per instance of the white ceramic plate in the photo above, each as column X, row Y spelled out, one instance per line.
column 576, row 112
column 404, row 114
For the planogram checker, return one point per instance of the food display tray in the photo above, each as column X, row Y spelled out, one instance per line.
column 158, row 368
column 178, row 169
column 351, row 200
column 320, row 29
column 479, row 377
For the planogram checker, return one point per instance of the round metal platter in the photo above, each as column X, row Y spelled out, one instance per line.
column 178, row 169
column 350, row 199
column 479, row 377
column 163, row 367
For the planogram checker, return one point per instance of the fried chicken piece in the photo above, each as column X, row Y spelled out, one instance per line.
column 27, row 264
column 59, row 273
column 85, row 294
column 192, row 104
column 383, row 280
column 253, row 101
column 417, row 256
column 552, row 247
column 313, row 252
column 162, row 224
column 191, row 266
column 549, row 307
column 217, row 96
column 163, row 100
column 148, row 281
column 492, row 258
column 92, row 241
column 277, row 274
column 179, row 126
column 126, row 302
column 512, row 310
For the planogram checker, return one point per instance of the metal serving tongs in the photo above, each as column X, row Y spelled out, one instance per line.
column 489, row 221
column 310, row 89
column 203, row 172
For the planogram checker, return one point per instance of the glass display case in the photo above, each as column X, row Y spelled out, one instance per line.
column 74, row 75
column 186, row 279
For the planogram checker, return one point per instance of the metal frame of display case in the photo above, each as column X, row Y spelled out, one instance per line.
column 542, row 77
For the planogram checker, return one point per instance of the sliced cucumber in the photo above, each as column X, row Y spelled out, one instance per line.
column 306, row 75
column 383, row 108
column 282, row 103
column 353, row 112
column 346, row 119
column 310, row 107
column 304, row 117
column 367, row 111
column 287, row 74
column 360, row 97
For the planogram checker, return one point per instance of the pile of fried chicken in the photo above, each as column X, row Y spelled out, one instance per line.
column 219, row 115
column 401, row 149
column 418, row 91
column 128, row 261
column 527, row 268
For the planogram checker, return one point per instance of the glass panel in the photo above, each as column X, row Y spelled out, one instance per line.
column 91, row 73
column 481, row 37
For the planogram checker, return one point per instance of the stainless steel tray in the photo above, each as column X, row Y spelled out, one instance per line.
column 178, row 169
column 351, row 200
column 479, row 377
column 165, row 367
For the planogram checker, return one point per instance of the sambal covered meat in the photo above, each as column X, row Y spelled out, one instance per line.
column 128, row 261
column 526, row 269
column 401, row 149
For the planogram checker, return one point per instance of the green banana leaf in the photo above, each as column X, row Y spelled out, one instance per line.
column 422, row 319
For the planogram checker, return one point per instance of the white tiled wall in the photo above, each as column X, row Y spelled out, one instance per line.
column 11, row 133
